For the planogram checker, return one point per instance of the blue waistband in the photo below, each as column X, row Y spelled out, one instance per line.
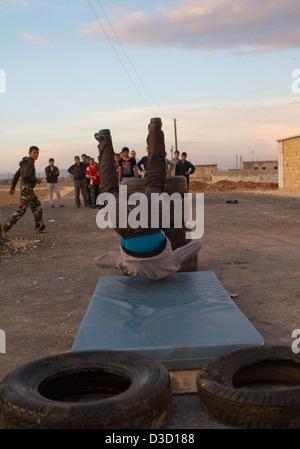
column 143, row 244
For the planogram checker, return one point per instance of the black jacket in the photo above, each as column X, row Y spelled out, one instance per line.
column 51, row 175
column 26, row 172
column 181, row 168
column 78, row 171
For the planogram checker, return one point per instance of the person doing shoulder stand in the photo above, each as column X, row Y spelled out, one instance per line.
column 145, row 251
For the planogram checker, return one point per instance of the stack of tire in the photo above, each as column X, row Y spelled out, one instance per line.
column 177, row 236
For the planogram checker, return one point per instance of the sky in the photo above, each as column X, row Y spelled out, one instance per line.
column 227, row 72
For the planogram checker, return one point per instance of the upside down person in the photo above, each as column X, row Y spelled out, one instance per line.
column 145, row 251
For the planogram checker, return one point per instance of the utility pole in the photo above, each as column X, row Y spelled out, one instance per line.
column 172, row 153
column 175, row 129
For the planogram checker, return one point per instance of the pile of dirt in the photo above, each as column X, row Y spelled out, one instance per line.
column 228, row 186
column 8, row 248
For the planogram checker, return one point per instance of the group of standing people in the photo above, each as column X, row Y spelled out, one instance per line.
column 86, row 180
column 128, row 166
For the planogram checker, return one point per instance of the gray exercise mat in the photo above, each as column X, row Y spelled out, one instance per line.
column 182, row 322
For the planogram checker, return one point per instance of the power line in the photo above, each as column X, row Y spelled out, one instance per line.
column 117, row 55
column 129, row 59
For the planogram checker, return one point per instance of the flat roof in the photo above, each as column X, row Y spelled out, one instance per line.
column 287, row 138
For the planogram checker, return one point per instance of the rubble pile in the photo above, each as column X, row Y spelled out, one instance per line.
column 228, row 186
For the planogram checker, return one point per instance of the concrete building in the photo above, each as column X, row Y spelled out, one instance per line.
column 255, row 171
column 259, row 165
column 204, row 172
column 289, row 163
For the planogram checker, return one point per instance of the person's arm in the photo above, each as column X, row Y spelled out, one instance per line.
column 177, row 169
column 191, row 168
column 71, row 170
column 120, row 174
column 28, row 172
column 171, row 164
column 88, row 174
column 14, row 181
column 135, row 171
column 140, row 164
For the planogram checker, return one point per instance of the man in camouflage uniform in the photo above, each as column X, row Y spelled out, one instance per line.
column 27, row 196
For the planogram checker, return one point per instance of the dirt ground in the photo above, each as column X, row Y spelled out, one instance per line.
column 47, row 281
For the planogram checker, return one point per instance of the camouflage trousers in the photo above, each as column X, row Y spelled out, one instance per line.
column 27, row 199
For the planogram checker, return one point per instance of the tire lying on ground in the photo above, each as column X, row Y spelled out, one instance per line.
column 230, row 388
column 87, row 390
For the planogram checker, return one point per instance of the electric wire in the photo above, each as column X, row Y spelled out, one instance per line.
column 119, row 59
column 130, row 61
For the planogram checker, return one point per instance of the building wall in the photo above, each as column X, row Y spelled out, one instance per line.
column 260, row 165
column 204, row 172
column 247, row 176
column 289, row 162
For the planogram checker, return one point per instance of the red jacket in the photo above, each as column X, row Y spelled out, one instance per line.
column 92, row 171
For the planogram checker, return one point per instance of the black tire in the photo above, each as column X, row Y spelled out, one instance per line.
column 87, row 390
column 222, row 388
column 178, row 239
column 173, row 184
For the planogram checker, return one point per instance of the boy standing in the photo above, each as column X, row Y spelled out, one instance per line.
column 78, row 170
column 27, row 196
column 52, row 174
column 128, row 167
column 184, row 168
column 92, row 175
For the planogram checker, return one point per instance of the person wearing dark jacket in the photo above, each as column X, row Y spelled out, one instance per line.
column 142, row 164
column 26, row 173
column 52, row 174
column 184, row 168
column 78, row 170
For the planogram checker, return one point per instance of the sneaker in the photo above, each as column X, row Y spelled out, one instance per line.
column 52, row 207
column 103, row 134
column 62, row 205
column 155, row 123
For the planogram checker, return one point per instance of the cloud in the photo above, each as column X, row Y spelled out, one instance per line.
column 211, row 132
column 245, row 26
column 11, row 6
column 12, row 3
column 39, row 39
